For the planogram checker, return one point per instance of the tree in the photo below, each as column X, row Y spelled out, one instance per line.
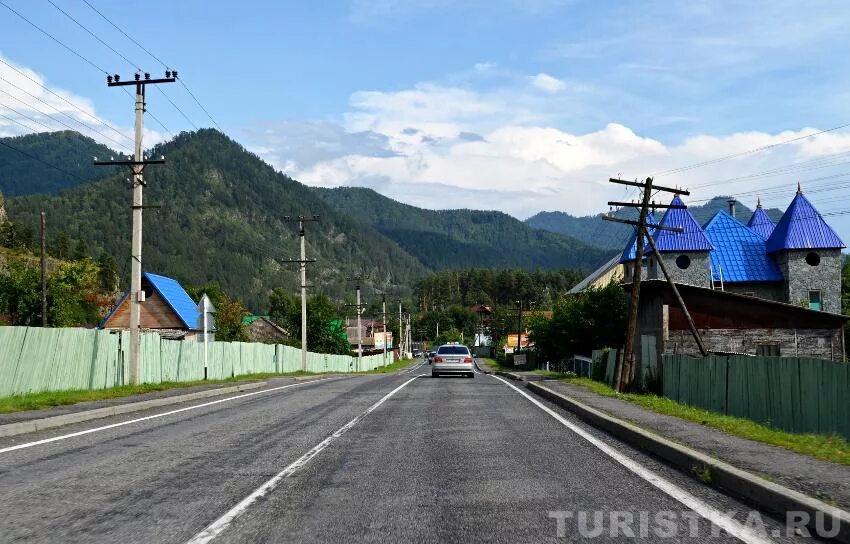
column 281, row 307
column 107, row 274
column 61, row 246
column 229, row 313
column 81, row 251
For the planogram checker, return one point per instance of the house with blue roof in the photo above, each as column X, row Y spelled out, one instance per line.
column 167, row 309
column 757, row 289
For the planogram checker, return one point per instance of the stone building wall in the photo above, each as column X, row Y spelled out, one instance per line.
column 697, row 272
column 802, row 277
column 816, row 343
column 766, row 290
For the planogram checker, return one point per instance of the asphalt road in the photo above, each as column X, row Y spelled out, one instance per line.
column 381, row 458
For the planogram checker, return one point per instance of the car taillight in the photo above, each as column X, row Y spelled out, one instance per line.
column 468, row 360
column 438, row 359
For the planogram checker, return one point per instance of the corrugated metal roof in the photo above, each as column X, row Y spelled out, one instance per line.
column 175, row 296
column 802, row 227
column 630, row 252
column 739, row 253
column 691, row 239
column 761, row 223
column 595, row 275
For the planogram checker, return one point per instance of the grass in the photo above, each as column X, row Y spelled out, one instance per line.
column 495, row 365
column 50, row 399
column 833, row 448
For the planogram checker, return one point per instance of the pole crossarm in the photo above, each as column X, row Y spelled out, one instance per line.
column 637, row 224
column 111, row 82
column 655, row 187
column 129, row 162
column 638, row 205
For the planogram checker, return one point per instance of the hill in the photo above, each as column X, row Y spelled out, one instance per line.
column 222, row 219
column 592, row 230
column 462, row 238
column 20, row 174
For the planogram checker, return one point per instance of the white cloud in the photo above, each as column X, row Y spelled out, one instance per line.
column 547, row 83
column 26, row 107
column 438, row 146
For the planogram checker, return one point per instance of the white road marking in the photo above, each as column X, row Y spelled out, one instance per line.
column 146, row 418
column 215, row 528
column 414, row 369
column 715, row 516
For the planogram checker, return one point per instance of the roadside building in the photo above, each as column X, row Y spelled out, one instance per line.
column 167, row 309
column 260, row 328
column 757, row 289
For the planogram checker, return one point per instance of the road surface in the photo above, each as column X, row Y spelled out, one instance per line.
column 379, row 458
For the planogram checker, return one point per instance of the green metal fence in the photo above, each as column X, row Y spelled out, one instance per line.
column 793, row 394
column 35, row 359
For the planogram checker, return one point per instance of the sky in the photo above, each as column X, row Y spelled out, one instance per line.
column 513, row 105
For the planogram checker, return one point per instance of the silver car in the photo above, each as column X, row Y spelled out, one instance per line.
column 453, row 359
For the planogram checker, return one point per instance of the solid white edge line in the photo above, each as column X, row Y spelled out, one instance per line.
column 215, row 528
column 146, row 418
column 715, row 516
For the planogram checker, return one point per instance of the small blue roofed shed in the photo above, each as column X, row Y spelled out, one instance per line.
column 760, row 222
column 167, row 307
column 802, row 227
column 692, row 238
column 739, row 254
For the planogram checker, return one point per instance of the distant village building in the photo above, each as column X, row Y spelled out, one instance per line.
column 260, row 328
column 167, row 309
column 756, row 289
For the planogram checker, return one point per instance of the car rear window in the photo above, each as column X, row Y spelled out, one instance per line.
column 453, row 350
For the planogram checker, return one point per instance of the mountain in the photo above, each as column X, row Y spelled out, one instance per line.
column 221, row 219
column 21, row 172
column 462, row 238
column 594, row 231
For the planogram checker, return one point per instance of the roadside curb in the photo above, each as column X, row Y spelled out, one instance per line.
column 23, row 427
column 509, row 375
column 734, row 481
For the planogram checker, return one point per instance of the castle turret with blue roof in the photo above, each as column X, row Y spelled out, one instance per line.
column 686, row 253
column 760, row 222
column 808, row 253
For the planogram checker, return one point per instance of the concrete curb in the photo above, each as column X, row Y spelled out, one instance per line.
column 23, row 427
column 734, row 481
column 509, row 375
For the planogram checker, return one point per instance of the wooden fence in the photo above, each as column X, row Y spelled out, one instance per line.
column 799, row 395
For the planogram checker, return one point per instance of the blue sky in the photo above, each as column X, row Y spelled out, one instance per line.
column 502, row 104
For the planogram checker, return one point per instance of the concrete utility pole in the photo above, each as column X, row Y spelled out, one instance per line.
column 401, row 343
column 138, row 164
column 384, row 321
column 303, row 262
column 625, row 372
column 359, row 307
column 43, row 270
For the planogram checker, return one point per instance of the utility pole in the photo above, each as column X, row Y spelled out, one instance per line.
column 302, row 234
column 384, row 321
column 359, row 306
column 137, row 164
column 43, row 270
column 625, row 372
column 401, row 337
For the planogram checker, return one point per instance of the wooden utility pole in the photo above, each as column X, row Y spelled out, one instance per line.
column 302, row 234
column 625, row 371
column 43, row 270
column 137, row 164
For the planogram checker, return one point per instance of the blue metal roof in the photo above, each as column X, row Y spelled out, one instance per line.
column 739, row 253
column 173, row 294
column 691, row 239
column 630, row 252
column 761, row 223
column 802, row 227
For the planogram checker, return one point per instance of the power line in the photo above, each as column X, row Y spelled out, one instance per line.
column 134, row 64
column 121, row 146
column 49, row 128
column 95, row 36
column 49, row 35
column 60, row 97
column 748, row 152
column 159, row 60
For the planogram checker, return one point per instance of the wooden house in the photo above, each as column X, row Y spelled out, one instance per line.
column 167, row 309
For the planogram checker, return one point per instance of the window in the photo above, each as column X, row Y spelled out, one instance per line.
column 683, row 262
column 148, row 290
column 768, row 350
column 813, row 259
column 814, row 300
column 453, row 350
